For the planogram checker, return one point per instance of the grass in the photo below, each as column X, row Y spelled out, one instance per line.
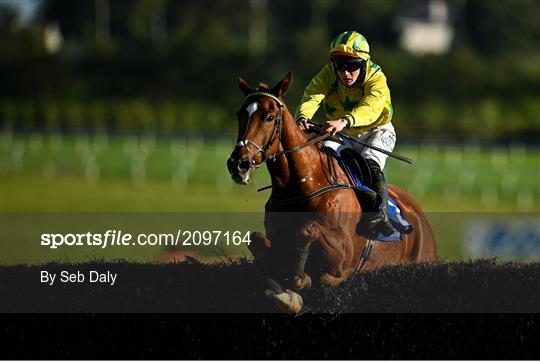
column 73, row 194
column 449, row 178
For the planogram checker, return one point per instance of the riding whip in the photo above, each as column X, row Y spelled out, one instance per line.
column 318, row 128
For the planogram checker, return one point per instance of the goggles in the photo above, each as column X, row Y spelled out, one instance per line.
column 349, row 67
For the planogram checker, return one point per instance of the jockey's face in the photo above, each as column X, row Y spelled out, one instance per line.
column 348, row 77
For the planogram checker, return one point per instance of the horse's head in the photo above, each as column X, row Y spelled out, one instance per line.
column 260, row 120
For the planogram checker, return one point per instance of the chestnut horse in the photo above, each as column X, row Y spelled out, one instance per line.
column 311, row 208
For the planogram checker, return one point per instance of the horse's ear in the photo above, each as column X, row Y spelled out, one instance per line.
column 244, row 87
column 281, row 88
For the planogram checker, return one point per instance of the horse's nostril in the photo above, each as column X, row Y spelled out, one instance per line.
column 244, row 166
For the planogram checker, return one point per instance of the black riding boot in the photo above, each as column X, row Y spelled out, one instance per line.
column 379, row 223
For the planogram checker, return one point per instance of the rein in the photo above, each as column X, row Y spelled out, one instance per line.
column 299, row 147
column 277, row 133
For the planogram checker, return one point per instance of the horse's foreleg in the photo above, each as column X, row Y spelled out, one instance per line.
column 301, row 280
column 310, row 233
column 285, row 299
column 259, row 245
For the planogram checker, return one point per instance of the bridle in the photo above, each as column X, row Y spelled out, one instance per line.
column 276, row 133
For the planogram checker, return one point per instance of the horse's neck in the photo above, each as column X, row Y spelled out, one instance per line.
column 295, row 168
column 291, row 135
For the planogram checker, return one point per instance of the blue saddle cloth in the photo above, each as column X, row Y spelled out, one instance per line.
column 397, row 218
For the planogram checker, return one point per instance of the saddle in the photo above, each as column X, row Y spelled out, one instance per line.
column 358, row 172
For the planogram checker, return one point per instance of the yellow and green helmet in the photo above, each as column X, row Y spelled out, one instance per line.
column 350, row 44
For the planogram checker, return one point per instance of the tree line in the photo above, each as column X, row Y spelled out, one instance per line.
column 142, row 64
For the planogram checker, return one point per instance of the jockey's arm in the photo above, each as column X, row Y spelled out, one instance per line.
column 315, row 92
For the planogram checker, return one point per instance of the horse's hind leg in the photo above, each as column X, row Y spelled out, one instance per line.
column 338, row 255
column 333, row 281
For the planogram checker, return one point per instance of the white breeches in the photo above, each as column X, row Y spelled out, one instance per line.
column 383, row 137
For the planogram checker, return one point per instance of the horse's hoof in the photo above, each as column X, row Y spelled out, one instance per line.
column 289, row 301
column 303, row 282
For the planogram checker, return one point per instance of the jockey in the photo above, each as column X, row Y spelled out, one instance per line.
column 355, row 96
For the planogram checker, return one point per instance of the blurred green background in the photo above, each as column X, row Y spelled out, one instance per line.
column 129, row 105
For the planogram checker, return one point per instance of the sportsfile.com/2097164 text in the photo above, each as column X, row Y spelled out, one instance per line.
column 111, row 238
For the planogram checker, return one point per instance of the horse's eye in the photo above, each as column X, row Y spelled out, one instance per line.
column 270, row 118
